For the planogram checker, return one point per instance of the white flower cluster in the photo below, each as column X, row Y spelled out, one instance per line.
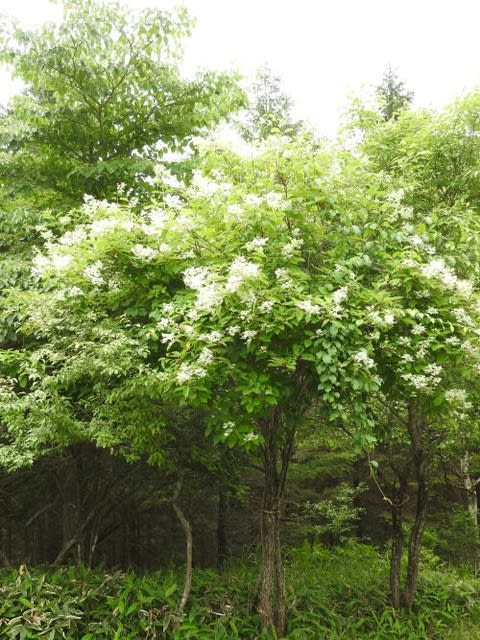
column 205, row 187
column 173, row 201
column 248, row 335
column 462, row 316
column 157, row 219
column 456, row 396
column 54, row 261
column 283, row 278
column 377, row 319
column 71, row 238
column 205, row 357
column 361, row 358
column 187, row 372
column 266, row 306
column 240, row 270
column 308, row 307
column 276, row 201
column 338, row 296
column 256, row 244
column 291, row 247
column 235, row 210
column 209, row 294
column 430, row 378
column 92, row 205
column 94, row 273
column 438, row 270
column 143, row 253
column 252, row 200
column 211, row 338
column 228, row 428
column 167, row 178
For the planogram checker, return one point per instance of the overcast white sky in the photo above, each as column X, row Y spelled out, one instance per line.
column 325, row 49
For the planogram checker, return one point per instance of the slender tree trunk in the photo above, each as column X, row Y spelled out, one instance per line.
column 396, row 559
column 415, row 428
column 470, row 487
column 187, row 529
column 272, row 602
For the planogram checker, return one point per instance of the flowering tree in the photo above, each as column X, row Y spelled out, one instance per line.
column 262, row 287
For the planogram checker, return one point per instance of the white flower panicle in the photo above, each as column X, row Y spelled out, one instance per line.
column 252, row 200
column 426, row 381
column 292, row 247
column 188, row 372
column 94, row 273
column 235, row 210
column 256, row 244
column 205, row 357
column 196, row 277
column 361, row 358
column 438, row 270
column 143, row 253
column 71, row 238
column 338, row 296
column 172, row 201
column 157, row 219
column 276, row 201
column 308, row 307
column 266, row 306
column 205, row 187
column 240, row 271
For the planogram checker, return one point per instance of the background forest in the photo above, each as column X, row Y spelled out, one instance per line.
column 238, row 382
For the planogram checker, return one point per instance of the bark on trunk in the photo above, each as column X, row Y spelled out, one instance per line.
column 470, row 486
column 396, row 559
column 187, row 529
column 276, row 459
column 415, row 428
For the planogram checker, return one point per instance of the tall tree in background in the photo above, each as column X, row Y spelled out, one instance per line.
column 270, row 111
column 103, row 97
column 395, row 97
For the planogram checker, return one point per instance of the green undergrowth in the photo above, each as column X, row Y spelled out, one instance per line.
column 333, row 594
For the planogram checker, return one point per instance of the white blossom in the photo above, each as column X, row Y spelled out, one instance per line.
column 211, row 338
column 173, row 201
column 143, row 253
column 71, row 238
column 235, row 210
column 94, row 273
column 339, row 295
column 363, row 359
column 308, row 306
column 205, row 357
column 266, row 306
column 240, row 270
column 252, row 200
column 233, row 331
column 418, row 329
column 291, row 247
column 256, row 244
column 208, row 297
column 276, row 200
column 187, row 371
column 196, row 277
column 248, row 335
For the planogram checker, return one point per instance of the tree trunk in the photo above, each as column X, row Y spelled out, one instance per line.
column 415, row 428
column 470, row 487
column 396, row 559
column 272, row 602
column 189, row 542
